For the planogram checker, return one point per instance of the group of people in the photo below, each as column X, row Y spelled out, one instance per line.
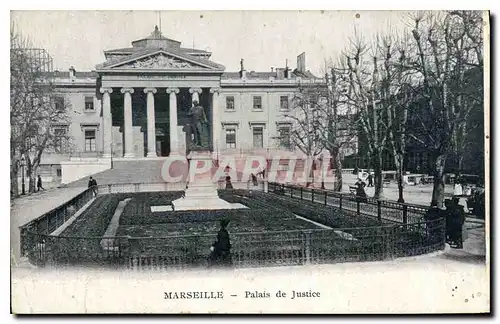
column 454, row 218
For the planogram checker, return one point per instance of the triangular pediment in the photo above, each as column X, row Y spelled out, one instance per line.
column 162, row 60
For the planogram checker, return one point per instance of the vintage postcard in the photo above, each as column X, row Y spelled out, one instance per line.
column 323, row 162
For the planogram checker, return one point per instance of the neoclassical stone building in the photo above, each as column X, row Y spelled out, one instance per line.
column 134, row 106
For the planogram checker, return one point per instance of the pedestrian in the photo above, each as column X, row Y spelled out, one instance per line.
column 360, row 191
column 221, row 249
column 370, row 180
column 456, row 221
column 39, row 184
column 93, row 186
column 229, row 185
column 458, row 189
column 254, row 180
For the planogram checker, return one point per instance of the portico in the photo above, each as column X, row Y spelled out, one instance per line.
column 147, row 91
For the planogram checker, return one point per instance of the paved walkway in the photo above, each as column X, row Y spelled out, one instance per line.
column 25, row 209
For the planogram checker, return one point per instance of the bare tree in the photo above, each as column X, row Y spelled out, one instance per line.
column 336, row 124
column 447, row 48
column 35, row 107
column 360, row 73
column 306, row 131
column 396, row 95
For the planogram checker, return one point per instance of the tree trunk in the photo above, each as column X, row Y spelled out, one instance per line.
column 336, row 164
column 438, row 189
column 30, row 175
column 398, row 162
column 399, row 177
column 31, row 182
column 377, row 169
column 309, row 170
column 14, row 186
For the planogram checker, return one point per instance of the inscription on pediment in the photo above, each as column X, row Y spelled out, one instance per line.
column 159, row 62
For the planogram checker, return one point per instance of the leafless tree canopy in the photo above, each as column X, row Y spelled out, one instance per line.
column 35, row 106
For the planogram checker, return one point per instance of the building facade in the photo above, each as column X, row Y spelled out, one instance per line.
column 134, row 106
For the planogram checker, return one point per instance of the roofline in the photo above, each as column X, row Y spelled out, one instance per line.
column 135, row 71
column 164, row 51
column 162, row 38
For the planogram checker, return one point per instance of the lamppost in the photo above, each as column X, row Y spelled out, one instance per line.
column 321, row 159
column 23, row 163
column 111, row 156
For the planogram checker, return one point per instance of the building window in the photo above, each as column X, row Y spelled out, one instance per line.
column 90, row 140
column 257, row 102
column 59, row 139
column 59, row 103
column 230, row 103
column 231, row 138
column 284, row 137
column 59, row 172
column 258, row 137
column 89, row 103
column 284, row 102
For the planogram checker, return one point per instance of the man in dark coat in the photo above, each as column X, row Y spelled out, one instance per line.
column 229, row 185
column 255, row 183
column 370, row 180
column 93, row 185
column 39, row 184
column 221, row 249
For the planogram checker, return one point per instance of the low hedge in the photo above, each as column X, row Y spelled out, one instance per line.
column 326, row 215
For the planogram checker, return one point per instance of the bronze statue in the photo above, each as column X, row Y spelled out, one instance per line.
column 198, row 121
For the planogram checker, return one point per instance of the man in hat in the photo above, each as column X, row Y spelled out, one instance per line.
column 198, row 118
column 221, row 249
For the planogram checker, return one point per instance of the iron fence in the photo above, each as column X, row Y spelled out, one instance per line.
column 52, row 220
column 381, row 209
column 170, row 186
column 258, row 249
column 381, row 231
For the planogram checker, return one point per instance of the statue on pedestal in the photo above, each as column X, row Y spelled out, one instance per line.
column 198, row 125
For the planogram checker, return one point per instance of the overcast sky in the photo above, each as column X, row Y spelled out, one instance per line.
column 262, row 38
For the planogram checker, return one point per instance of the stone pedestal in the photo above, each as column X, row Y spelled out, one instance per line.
column 202, row 191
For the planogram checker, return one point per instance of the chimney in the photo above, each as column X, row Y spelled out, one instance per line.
column 72, row 72
column 280, row 73
column 287, row 70
column 301, row 63
column 243, row 73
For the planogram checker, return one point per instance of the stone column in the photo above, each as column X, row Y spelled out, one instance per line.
column 151, row 122
column 195, row 94
column 174, row 135
column 127, row 116
column 107, row 124
column 215, row 122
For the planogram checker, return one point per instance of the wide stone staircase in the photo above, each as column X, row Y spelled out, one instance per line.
column 134, row 171
column 142, row 171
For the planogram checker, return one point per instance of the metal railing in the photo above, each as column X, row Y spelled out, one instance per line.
column 171, row 186
column 382, row 209
column 257, row 249
column 52, row 220
column 360, row 231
